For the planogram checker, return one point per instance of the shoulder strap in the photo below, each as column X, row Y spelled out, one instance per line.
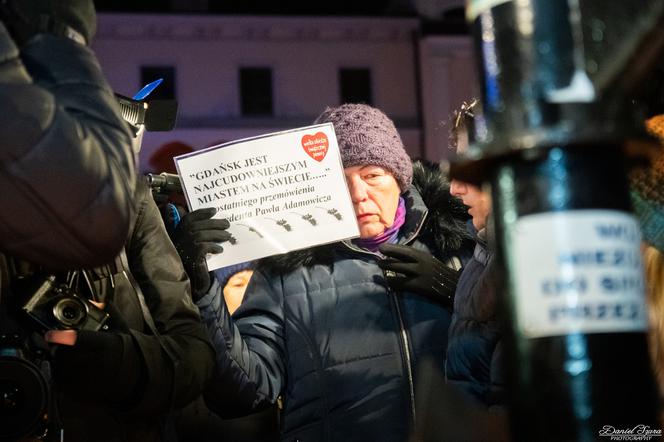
column 147, row 317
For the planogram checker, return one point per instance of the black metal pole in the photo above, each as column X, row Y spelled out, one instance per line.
column 556, row 114
column 578, row 356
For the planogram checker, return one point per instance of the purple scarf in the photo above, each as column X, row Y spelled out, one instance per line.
column 389, row 235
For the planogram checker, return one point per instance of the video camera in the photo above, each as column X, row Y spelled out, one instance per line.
column 47, row 303
column 24, row 382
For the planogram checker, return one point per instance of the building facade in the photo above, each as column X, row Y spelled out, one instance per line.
column 240, row 76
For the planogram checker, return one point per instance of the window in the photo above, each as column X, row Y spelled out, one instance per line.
column 166, row 90
column 355, row 86
column 256, row 91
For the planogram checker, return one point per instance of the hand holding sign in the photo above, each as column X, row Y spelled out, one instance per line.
column 196, row 236
column 280, row 192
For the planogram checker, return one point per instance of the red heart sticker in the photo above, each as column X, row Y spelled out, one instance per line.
column 315, row 145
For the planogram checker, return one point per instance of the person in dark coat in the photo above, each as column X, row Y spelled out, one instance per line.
column 474, row 354
column 328, row 329
column 67, row 168
column 68, row 185
column 468, row 403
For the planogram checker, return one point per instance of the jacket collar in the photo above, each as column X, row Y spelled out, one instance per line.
column 416, row 215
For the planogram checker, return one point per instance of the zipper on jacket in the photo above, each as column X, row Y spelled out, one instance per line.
column 402, row 325
column 406, row 346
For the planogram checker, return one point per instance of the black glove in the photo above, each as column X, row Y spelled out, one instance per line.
column 102, row 365
column 419, row 272
column 25, row 18
column 195, row 236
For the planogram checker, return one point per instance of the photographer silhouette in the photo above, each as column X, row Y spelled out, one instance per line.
column 68, row 170
column 102, row 353
column 67, row 173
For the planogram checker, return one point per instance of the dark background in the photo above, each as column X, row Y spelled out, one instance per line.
column 451, row 21
column 268, row 7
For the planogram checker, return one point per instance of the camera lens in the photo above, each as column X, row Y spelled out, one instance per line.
column 70, row 312
column 11, row 397
column 23, row 398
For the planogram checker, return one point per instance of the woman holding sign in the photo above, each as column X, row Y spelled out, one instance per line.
column 339, row 331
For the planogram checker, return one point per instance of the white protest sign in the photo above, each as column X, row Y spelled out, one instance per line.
column 280, row 192
column 578, row 271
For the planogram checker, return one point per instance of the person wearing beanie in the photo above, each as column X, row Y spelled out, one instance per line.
column 647, row 194
column 233, row 281
column 339, row 331
column 358, row 126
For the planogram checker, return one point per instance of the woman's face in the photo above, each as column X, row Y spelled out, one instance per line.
column 375, row 195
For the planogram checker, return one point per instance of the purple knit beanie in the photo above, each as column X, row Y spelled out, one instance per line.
column 366, row 136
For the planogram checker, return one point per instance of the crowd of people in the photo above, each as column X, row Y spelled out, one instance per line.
column 331, row 343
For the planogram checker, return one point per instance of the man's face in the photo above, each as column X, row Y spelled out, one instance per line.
column 375, row 195
column 478, row 201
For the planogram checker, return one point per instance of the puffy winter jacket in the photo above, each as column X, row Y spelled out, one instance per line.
column 474, row 354
column 322, row 329
column 67, row 170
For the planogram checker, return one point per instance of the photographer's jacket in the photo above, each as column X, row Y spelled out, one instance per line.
column 66, row 164
column 117, row 386
column 322, row 329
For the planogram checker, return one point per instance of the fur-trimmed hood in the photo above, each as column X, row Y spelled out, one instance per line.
column 435, row 216
column 448, row 216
